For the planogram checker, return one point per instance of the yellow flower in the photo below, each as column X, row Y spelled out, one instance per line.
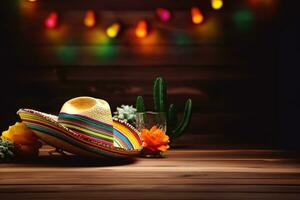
column 26, row 144
column 155, row 140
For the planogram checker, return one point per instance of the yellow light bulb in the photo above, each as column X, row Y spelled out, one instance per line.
column 216, row 4
column 113, row 30
column 197, row 16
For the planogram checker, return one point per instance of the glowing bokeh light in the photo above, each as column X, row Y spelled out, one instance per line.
column 181, row 38
column 197, row 16
column 149, row 45
column 32, row 0
column 151, row 39
column 216, row 4
column 243, row 19
column 163, row 14
column 96, row 36
column 141, row 29
column 265, row 8
column 89, row 19
column 66, row 53
column 212, row 30
column 106, row 52
column 255, row 3
column 28, row 8
column 113, row 30
column 57, row 35
column 51, row 20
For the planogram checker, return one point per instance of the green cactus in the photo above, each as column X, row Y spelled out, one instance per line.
column 159, row 95
column 140, row 106
column 174, row 129
column 178, row 131
column 172, row 117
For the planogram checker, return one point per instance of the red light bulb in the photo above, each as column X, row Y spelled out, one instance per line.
column 51, row 20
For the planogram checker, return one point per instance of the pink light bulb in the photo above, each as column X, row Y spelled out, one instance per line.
column 163, row 14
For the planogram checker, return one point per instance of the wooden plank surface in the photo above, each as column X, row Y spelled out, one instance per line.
column 182, row 174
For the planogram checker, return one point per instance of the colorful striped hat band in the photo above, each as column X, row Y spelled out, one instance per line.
column 85, row 127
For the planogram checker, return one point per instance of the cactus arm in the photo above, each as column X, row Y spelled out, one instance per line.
column 140, row 106
column 172, row 119
column 184, row 122
column 159, row 95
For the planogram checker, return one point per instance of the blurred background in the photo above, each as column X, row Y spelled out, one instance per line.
column 229, row 56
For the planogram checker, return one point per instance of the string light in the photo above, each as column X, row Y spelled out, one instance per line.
column 141, row 29
column 51, row 20
column 216, row 4
column 90, row 19
column 163, row 14
column 197, row 16
column 113, row 30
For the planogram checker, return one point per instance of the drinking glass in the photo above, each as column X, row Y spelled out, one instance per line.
column 149, row 119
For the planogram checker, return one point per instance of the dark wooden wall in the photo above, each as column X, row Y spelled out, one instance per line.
column 227, row 65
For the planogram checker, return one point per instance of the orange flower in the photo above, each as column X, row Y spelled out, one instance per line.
column 155, row 140
column 26, row 144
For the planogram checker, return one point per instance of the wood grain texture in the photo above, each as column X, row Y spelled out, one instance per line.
column 182, row 174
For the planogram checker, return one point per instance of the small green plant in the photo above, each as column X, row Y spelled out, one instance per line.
column 6, row 149
column 174, row 128
column 126, row 113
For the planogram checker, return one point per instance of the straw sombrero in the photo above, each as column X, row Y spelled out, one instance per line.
column 85, row 127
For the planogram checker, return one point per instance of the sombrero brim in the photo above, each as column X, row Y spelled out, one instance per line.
column 48, row 129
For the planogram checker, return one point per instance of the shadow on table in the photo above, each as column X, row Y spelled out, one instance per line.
column 73, row 161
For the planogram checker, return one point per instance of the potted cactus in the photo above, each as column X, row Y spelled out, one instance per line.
column 174, row 128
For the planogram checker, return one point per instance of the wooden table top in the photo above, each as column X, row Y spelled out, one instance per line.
column 183, row 174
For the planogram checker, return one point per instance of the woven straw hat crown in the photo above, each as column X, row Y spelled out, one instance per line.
column 88, row 116
column 93, row 108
